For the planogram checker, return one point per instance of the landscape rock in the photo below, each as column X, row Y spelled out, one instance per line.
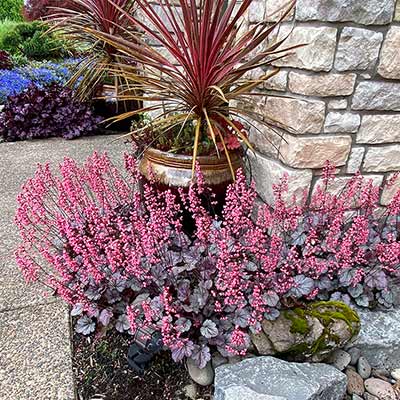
column 202, row 376
column 322, row 84
column 379, row 338
column 340, row 359
column 342, row 122
column 366, row 12
column 218, row 360
column 383, row 390
column 295, row 115
column 355, row 354
column 382, row 159
column 262, row 344
column 373, row 95
column 358, row 49
column 396, row 374
column 268, row 378
column 381, row 373
column 355, row 384
column 363, row 368
column 389, row 65
column 377, row 129
column 190, row 391
column 319, row 53
column 312, row 152
column 310, row 333
column 369, row 396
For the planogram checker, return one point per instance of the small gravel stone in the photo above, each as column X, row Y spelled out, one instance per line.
column 356, row 397
column 355, row 354
column 355, row 384
column 369, row 396
column 340, row 359
column 202, row 376
column 382, row 389
column 363, row 368
column 396, row 374
column 190, row 391
column 381, row 373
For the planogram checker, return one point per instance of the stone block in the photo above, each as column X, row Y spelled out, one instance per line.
column 319, row 50
column 382, row 159
column 266, row 172
column 374, row 95
column 377, row 129
column 313, row 152
column 389, row 63
column 296, row 115
column 337, row 104
column 342, row 122
column 365, row 12
column 389, row 191
column 322, row 84
column 355, row 160
column 358, row 49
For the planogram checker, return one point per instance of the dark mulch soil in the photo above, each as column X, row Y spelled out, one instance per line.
column 102, row 372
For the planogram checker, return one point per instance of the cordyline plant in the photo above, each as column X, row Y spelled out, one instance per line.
column 120, row 257
column 79, row 22
column 200, row 69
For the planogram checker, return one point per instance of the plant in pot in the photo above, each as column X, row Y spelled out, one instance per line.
column 192, row 84
column 94, row 77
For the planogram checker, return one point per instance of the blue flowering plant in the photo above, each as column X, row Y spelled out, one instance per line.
column 12, row 83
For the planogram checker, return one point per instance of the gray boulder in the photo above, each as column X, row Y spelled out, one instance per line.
column 379, row 339
column 268, row 378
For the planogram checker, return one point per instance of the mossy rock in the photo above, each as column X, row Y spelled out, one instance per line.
column 310, row 333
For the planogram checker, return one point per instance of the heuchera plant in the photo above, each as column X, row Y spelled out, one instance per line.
column 5, row 60
column 45, row 112
column 120, row 256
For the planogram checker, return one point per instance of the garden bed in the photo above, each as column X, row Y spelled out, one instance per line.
column 101, row 372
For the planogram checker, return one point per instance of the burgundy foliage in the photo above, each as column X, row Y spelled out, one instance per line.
column 5, row 60
column 40, row 112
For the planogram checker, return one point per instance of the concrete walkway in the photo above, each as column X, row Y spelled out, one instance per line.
column 35, row 339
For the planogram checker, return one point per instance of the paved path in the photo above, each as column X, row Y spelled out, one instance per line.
column 35, row 345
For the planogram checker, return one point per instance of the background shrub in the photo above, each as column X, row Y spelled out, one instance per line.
column 45, row 112
column 38, row 9
column 11, row 9
column 30, row 40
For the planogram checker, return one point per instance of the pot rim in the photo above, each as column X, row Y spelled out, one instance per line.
column 153, row 154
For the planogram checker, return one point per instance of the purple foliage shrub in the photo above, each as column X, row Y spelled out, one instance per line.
column 114, row 247
column 5, row 60
column 40, row 112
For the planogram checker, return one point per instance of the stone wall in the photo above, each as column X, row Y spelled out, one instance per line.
column 342, row 94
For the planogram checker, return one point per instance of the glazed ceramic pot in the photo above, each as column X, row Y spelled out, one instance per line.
column 175, row 170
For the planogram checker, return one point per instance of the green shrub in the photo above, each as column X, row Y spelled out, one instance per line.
column 11, row 9
column 30, row 40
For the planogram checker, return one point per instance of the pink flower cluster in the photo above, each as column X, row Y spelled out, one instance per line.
column 117, row 249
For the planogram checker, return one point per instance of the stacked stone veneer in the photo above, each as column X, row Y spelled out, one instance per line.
column 338, row 97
